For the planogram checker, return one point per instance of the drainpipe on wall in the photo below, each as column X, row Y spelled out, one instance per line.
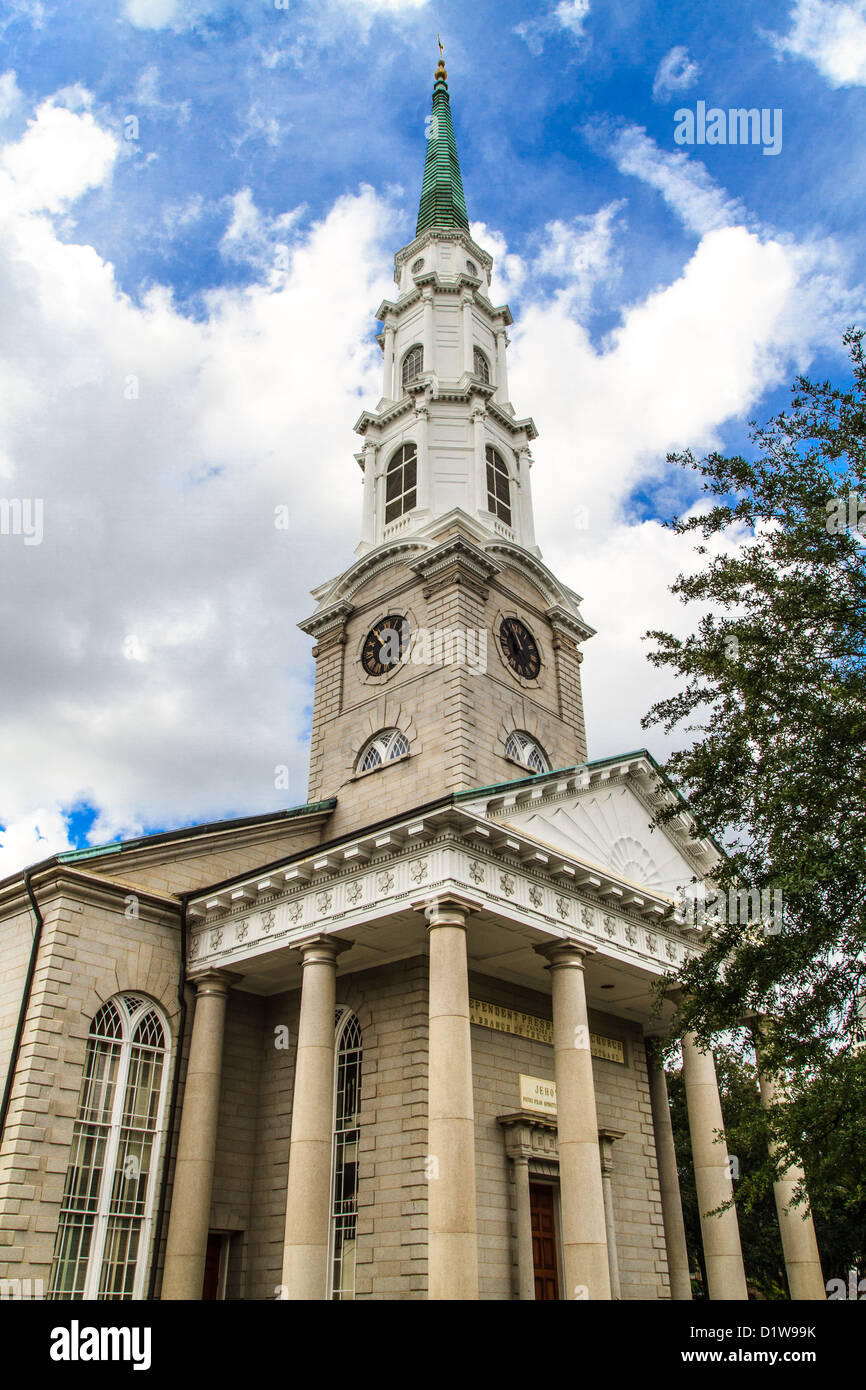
column 25, row 1003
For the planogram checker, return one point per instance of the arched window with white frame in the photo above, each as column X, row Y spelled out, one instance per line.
column 344, row 1161
column 387, row 746
column 498, row 485
column 413, row 365
column 103, row 1234
column 401, row 482
column 481, row 366
column 522, row 748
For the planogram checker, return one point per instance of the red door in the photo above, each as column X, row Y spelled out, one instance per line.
column 544, row 1241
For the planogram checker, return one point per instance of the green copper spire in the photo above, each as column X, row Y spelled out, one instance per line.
column 442, row 201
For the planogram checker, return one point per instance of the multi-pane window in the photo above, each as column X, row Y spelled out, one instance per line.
column 413, row 365
column 100, row 1250
column 523, row 749
column 481, row 365
column 386, row 747
column 344, row 1167
column 401, row 482
column 498, row 486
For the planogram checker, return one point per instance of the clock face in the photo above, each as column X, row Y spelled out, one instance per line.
column 519, row 648
column 385, row 644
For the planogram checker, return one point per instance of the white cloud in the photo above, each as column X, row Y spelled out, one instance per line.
column 30, row 11
column 675, row 73
column 580, row 253
column 61, row 155
column 683, row 182
column 152, row 665
column 257, row 240
column 747, row 310
column 569, row 16
column 154, row 14
column 151, row 660
column 509, row 269
column 10, row 94
column 34, row 836
column 830, row 34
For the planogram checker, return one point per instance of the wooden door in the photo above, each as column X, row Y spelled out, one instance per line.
column 544, row 1241
column 211, row 1286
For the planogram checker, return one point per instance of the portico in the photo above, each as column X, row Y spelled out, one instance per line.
column 486, row 908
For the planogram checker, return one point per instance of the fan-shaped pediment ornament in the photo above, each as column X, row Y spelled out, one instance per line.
column 630, row 859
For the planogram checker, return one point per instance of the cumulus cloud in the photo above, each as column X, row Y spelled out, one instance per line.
column 747, row 309
column 831, row 35
column 152, row 666
column 34, row 836
column 675, row 73
column 60, row 156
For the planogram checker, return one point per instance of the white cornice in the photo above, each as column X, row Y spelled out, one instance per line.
column 391, row 869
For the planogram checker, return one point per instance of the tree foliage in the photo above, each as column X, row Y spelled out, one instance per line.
column 772, row 699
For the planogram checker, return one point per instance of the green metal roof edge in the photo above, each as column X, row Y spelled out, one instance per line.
column 557, row 772
column 72, row 856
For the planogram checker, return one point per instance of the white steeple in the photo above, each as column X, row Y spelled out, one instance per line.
column 444, row 435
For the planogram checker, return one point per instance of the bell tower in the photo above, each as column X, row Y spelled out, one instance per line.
column 447, row 655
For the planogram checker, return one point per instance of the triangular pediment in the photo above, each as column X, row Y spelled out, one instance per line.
column 606, row 821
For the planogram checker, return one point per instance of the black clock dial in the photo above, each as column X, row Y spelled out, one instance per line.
column 519, row 648
column 385, row 644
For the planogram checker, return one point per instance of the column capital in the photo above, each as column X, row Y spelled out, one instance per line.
column 560, row 954
column 322, row 949
column 217, row 982
column 448, row 909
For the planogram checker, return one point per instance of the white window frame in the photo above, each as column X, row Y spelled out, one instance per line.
column 96, row 1253
column 404, row 384
column 527, row 745
column 344, row 1015
column 384, row 741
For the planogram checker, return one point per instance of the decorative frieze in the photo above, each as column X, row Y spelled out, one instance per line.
column 358, row 890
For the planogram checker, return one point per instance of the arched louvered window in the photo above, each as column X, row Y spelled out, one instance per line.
column 344, row 1163
column 103, row 1235
column 481, row 366
column 385, row 747
column 523, row 749
column 498, row 486
column 401, row 482
column 413, row 365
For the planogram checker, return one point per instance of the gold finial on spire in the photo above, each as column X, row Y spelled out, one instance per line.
column 441, row 74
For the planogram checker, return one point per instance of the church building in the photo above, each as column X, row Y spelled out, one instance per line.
column 394, row 1043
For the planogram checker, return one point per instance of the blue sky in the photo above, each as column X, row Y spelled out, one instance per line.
column 227, row 260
